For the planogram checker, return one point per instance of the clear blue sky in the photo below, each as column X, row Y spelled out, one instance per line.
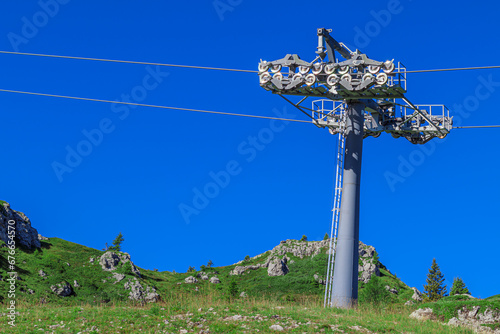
column 150, row 161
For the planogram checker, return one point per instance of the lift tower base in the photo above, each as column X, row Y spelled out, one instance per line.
column 345, row 276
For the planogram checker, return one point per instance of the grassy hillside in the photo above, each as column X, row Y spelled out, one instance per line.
column 64, row 261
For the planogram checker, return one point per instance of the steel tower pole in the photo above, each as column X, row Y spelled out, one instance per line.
column 345, row 276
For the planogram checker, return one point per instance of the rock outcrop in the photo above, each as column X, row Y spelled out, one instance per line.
column 138, row 293
column 475, row 317
column 62, row 289
column 368, row 265
column 111, row 260
column 423, row 314
column 25, row 234
column 299, row 249
column 277, row 267
column 417, row 295
column 214, row 280
column 190, row 280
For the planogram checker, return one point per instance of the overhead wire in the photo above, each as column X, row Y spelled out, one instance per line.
column 205, row 68
column 152, row 106
column 129, row 62
column 218, row 68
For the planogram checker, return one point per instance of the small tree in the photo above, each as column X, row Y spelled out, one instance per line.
column 232, row 289
column 210, row 263
column 247, row 258
column 458, row 287
column 304, row 238
column 326, row 237
column 203, row 267
column 191, row 269
column 117, row 243
column 435, row 289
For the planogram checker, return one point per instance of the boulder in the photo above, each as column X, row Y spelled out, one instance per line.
column 190, row 280
column 118, row 277
column 110, row 260
column 62, row 289
column 391, row 290
column 26, row 235
column 138, row 293
column 417, row 295
column 423, row 314
column 367, row 270
column 276, row 328
column 238, row 270
column 205, row 277
column 42, row 238
column 243, row 294
column 215, row 280
column 277, row 267
column 42, row 273
column 75, row 284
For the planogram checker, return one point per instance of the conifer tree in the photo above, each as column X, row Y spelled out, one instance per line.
column 326, row 237
column 435, row 289
column 117, row 243
column 458, row 287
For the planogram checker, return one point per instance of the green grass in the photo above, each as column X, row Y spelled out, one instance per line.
column 447, row 307
column 189, row 312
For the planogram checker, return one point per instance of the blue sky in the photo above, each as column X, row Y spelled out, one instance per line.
column 148, row 162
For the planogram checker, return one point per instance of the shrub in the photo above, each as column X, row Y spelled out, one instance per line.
column 304, row 238
column 374, row 292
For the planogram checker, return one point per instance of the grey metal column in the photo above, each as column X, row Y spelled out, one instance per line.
column 345, row 276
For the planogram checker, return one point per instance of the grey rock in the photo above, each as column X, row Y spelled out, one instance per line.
column 118, row 277
column 75, row 284
column 42, row 273
column 319, row 280
column 238, row 270
column 190, row 280
column 26, row 235
column 110, row 260
column 42, row 238
column 391, row 290
column 91, row 260
column 276, row 328
column 200, row 274
column 62, row 289
column 31, row 291
column 417, row 295
column 214, row 280
column 367, row 270
column 423, row 314
column 138, row 293
column 243, row 294
column 277, row 267
column 205, row 278
column 409, row 303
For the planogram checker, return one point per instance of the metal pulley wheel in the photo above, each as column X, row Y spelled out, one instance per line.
column 310, row 79
column 278, row 76
column 373, row 69
column 332, row 80
column 381, row 79
column 367, row 76
column 263, row 66
column 264, row 78
column 329, row 69
column 347, row 77
column 344, row 70
column 303, row 69
column 389, row 67
column 275, row 68
column 317, row 68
